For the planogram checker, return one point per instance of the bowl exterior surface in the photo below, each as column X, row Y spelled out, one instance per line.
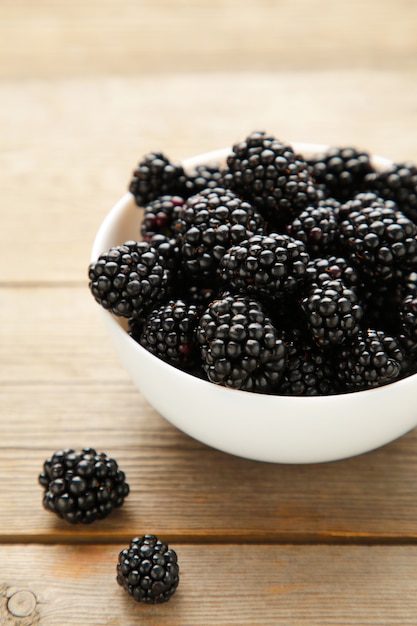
column 269, row 428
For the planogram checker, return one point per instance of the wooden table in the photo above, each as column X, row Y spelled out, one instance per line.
column 86, row 89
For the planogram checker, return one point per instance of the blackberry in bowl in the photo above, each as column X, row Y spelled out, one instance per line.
column 290, row 361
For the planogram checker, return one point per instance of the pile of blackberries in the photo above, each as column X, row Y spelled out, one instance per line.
column 274, row 272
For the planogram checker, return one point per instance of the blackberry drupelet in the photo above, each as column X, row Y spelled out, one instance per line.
column 83, row 486
column 148, row 570
column 169, row 332
column 333, row 313
column 309, row 370
column 130, row 279
column 155, row 176
column 267, row 267
column 210, row 223
column 377, row 237
column 321, row 269
column 269, row 174
column 372, row 359
column 340, row 172
column 240, row 347
column 317, row 227
column 408, row 315
column 159, row 216
column 203, row 177
column 397, row 183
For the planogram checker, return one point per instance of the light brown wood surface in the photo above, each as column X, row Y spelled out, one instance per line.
column 87, row 88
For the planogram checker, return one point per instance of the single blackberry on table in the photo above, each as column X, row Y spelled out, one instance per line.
column 372, row 359
column 211, row 222
column 82, row 486
column 377, row 237
column 169, row 332
column 309, row 370
column 397, row 183
column 148, row 570
column 159, row 215
column 202, row 177
column 340, row 171
column 129, row 279
column 333, row 313
column 268, row 267
column 240, row 347
column 155, row 176
column 317, row 227
column 321, row 269
column 270, row 175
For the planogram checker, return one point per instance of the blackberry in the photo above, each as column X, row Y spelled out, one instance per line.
column 323, row 269
column 210, row 223
column 148, row 570
column 169, row 333
column 269, row 174
column 159, row 216
column 129, row 279
column 340, row 172
column 155, row 176
column 203, row 177
column 268, row 267
column 397, row 183
column 408, row 315
column 309, row 370
column 333, row 312
column 83, row 486
column 240, row 347
column 377, row 237
column 372, row 359
column 317, row 227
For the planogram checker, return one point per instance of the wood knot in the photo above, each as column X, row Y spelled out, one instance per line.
column 21, row 603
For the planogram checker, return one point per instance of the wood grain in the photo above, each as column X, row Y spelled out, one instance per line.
column 219, row 585
column 181, row 35
column 68, row 147
column 86, row 89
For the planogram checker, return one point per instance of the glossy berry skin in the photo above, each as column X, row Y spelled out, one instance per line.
column 372, row 359
column 376, row 237
column 148, row 570
column 397, row 183
column 333, row 313
column 169, row 332
column 269, row 174
column 340, row 171
column 129, row 279
column 159, row 216
column 317, row 227
column 83, row 486
column 155, row 176
column 210, row 223
column 202, row 177
column 267, row 267
column 240, row 347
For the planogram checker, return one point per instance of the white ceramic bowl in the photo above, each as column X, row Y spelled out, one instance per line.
column 269, row 428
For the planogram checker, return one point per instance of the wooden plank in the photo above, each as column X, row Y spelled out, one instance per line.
column 57, row 39
column 66, row 157
column 245, row 585
column 184, row 489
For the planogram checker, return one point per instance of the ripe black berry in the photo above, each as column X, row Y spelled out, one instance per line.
column 269, row 267
column 269, row 174
column 129, row 279
column 82, row 487
column 211, row 222
column 340, row 172
column 148, row 570
column 155, row 176
column 240, row 347
column 333, row 312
